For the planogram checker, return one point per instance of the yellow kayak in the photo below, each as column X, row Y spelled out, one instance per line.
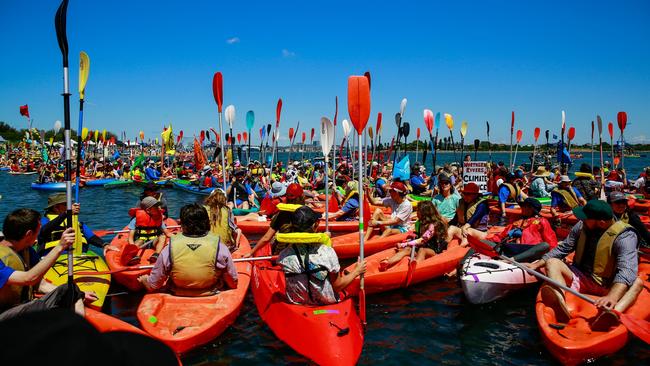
column 86, row 262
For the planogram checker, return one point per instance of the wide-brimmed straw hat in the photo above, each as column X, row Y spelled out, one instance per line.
column 541, row 172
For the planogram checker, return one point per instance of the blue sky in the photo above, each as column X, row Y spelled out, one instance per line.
column 152, row 62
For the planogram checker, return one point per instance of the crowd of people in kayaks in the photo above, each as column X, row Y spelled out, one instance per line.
column 435, row 210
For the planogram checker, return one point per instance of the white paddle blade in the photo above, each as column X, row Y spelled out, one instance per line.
column 563, row 118
column 402, row 107
column 426, row 113
column 600, row 125
column 346, row 128
column 326, row 135
column 230, row 115
column 57, row 127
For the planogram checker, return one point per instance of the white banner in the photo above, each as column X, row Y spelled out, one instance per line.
column 476, row 172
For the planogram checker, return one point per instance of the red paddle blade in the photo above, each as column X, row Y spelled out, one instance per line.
column 290, row 133
column 304, row 137
column 245, row 135
column 367, row 212
column 261, row 132
column 520, row 133
column 218, row 138
column 622, row 120
column 512, row 123
column 278, row 110
column 312, row 134
column 481, row 247
column 610, row 129
column 217, row 89
column 333, row 204
column 202, row 136
column 428, row 120
column 362, row 306
column 572, row 133
column 537, row 132
column 359, row 101
column 378, row 126
column 417, row 133
column 638, row 327
column 239, row 138
column 336, row 110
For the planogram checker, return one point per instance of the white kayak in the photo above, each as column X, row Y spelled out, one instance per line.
column 485, row 279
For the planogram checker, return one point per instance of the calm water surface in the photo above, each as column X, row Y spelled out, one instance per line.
column 430, row 323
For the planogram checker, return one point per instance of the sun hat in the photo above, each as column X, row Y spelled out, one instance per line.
column 471, row 188
column 55, row 199
column 294, row 190
column 541, row 172
column 149, row 202
column 277, row 189
column 565, row 179
column 595, row 210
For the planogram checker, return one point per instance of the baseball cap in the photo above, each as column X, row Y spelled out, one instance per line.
column 617, row 196
column 398, row 187
column 294, row 190
column 595, row 210
column 149, row 202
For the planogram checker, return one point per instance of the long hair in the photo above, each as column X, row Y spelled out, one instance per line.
column 428, row 214
column 215, row 202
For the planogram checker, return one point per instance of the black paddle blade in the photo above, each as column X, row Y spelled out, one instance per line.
column 60, row 25
column 477, row 142
column 488, row 127
column 546, row 133
column 268, row 129
column 367, row 75
column 398, row 119
column 406, row 129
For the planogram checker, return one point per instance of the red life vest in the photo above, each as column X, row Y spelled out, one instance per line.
column 146, row 226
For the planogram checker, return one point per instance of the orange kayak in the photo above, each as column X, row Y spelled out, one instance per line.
column 129, row 279
column 396, row 276
column 328, row 335
column 347, row 245
column 575, row 343
column 106, row 323
column 260, row 227
column 184, row 323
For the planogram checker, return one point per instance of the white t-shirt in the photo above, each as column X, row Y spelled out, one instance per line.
column 402, row 211
column 297, row 287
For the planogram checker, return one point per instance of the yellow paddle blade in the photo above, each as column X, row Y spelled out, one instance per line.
column 84, row 133
column 141, row 135
column 96, row 136
column 463, row 128
column 84, row 69
column 51, row 140
column 449, row 120
column 104, row 135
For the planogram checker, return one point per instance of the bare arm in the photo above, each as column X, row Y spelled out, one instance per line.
column 131, row 237
column 340, row 282
column 264, row 240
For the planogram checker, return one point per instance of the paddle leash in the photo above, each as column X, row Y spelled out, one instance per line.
column 359, row 111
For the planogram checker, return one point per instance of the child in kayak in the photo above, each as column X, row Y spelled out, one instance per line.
column 431, row 232
column 222, row 222
column 471, row 216
column 310, row 265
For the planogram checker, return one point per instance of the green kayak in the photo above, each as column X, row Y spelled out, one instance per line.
column 415, row 197
column 118, row 184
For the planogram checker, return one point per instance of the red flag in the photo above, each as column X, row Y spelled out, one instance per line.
column 304, row 137
column 24, row 110
column 312, row 134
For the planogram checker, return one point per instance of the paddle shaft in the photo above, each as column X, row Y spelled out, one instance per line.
column 361, row 233
column 224, row 173
column 81, row 122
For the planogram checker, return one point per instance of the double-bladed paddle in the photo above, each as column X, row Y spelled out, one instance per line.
column 217, row 92
column 250, row 121
column 520, row 133
column 449, row 120
column 276, row 134
column 622, row 122
column 463, row 132
column 84, row 70
column 488, row 140
column 610, row 129
column 359, row 111
column 512, row 131
column 536, row 136
column 326, row 142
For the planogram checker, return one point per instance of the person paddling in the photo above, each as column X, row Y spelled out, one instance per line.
column 148, row 228
column 22, row 270
column 605, row 264
column 196, row 262
column 311, row 267
column 565, row 197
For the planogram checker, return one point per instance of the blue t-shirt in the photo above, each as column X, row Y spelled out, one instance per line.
column 557, row 199
column 504, row 194
column 6, row 271
column 151, row 174
column 350, row 207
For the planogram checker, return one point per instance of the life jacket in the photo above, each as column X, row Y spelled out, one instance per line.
column 604, row 265
column 147, row 227
column 569, row 196
column 207, row 182
column 222, row 227
column 311, row 272
column 514, row 190
column 193, row 262
column 465, row 212
column 530, row 231
column 289, row 207
column 347, row 198
column 584, row 175
column 12, row 295
column 492, row 184
column 238, row 191
column 55, row 235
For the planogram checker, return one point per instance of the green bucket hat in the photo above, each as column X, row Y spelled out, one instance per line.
column 595, row 210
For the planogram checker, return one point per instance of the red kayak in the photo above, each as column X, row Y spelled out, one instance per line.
column 328, row 335
column 575, row 343
column 347, row 245
column 184, row 323
column 397, row 276
column 106, row 323
column 260, row 227
column 129, row 278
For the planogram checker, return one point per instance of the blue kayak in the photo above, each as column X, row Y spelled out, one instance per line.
column 193, row 189
column 4, row 168
column 58, row 186
column 99, row 182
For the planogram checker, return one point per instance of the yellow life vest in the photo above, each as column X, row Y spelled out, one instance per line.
column 12, row 295
column 55, row 236
column 194, row 262
column 464, row 213
column 221, row 228
column 289, row 207
column 570, row 197
column 514, row 191
column 584, row 175
column 303, row 238
column 604, row 262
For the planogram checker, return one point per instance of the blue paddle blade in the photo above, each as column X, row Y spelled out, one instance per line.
column 437, row 121
column 263, row 133
column 250, row 120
